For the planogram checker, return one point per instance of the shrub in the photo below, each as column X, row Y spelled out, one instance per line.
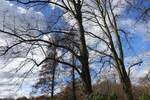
column 144, row 97
column 98, row 96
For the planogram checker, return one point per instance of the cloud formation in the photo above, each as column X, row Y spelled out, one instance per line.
column 12, row 15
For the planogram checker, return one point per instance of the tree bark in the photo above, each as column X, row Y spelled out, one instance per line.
column 86, row 77
column 127, row 87
column 84, row 56
column 53, row 83
column 53, row 74
column 126, row 83
column 73, row 80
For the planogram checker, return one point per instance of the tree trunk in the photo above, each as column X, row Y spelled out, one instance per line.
column 84, row 56
column 73, row 80
column 127, row 87
column 86, row 77
column 126, row 83
column 124, row 78
column 53, row 74
column 53, row 83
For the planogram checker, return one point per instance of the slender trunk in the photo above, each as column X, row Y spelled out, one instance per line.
column 73, row 85
column 127, row 88
column 53, row 83
column 73, row 81
column 53, row 75
column 124, row 78
column 126, row 84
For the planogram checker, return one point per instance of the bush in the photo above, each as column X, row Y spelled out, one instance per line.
column 98, row 96
column 112, row 96
column 144, row 97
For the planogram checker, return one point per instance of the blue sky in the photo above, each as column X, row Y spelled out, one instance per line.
column 138, row 37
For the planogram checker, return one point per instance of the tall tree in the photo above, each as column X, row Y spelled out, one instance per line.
column 106, row 20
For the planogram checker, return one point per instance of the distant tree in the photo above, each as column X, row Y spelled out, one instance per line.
column 47, row 74
column 43, row 97
column 22, row 98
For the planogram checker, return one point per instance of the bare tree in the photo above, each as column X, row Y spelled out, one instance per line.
column 106, row 19
column 46, row 82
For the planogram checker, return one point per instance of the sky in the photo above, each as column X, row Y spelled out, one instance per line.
column 139, row 48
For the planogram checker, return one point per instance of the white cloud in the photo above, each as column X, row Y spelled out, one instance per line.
column 21, row 10
column 136, row 28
